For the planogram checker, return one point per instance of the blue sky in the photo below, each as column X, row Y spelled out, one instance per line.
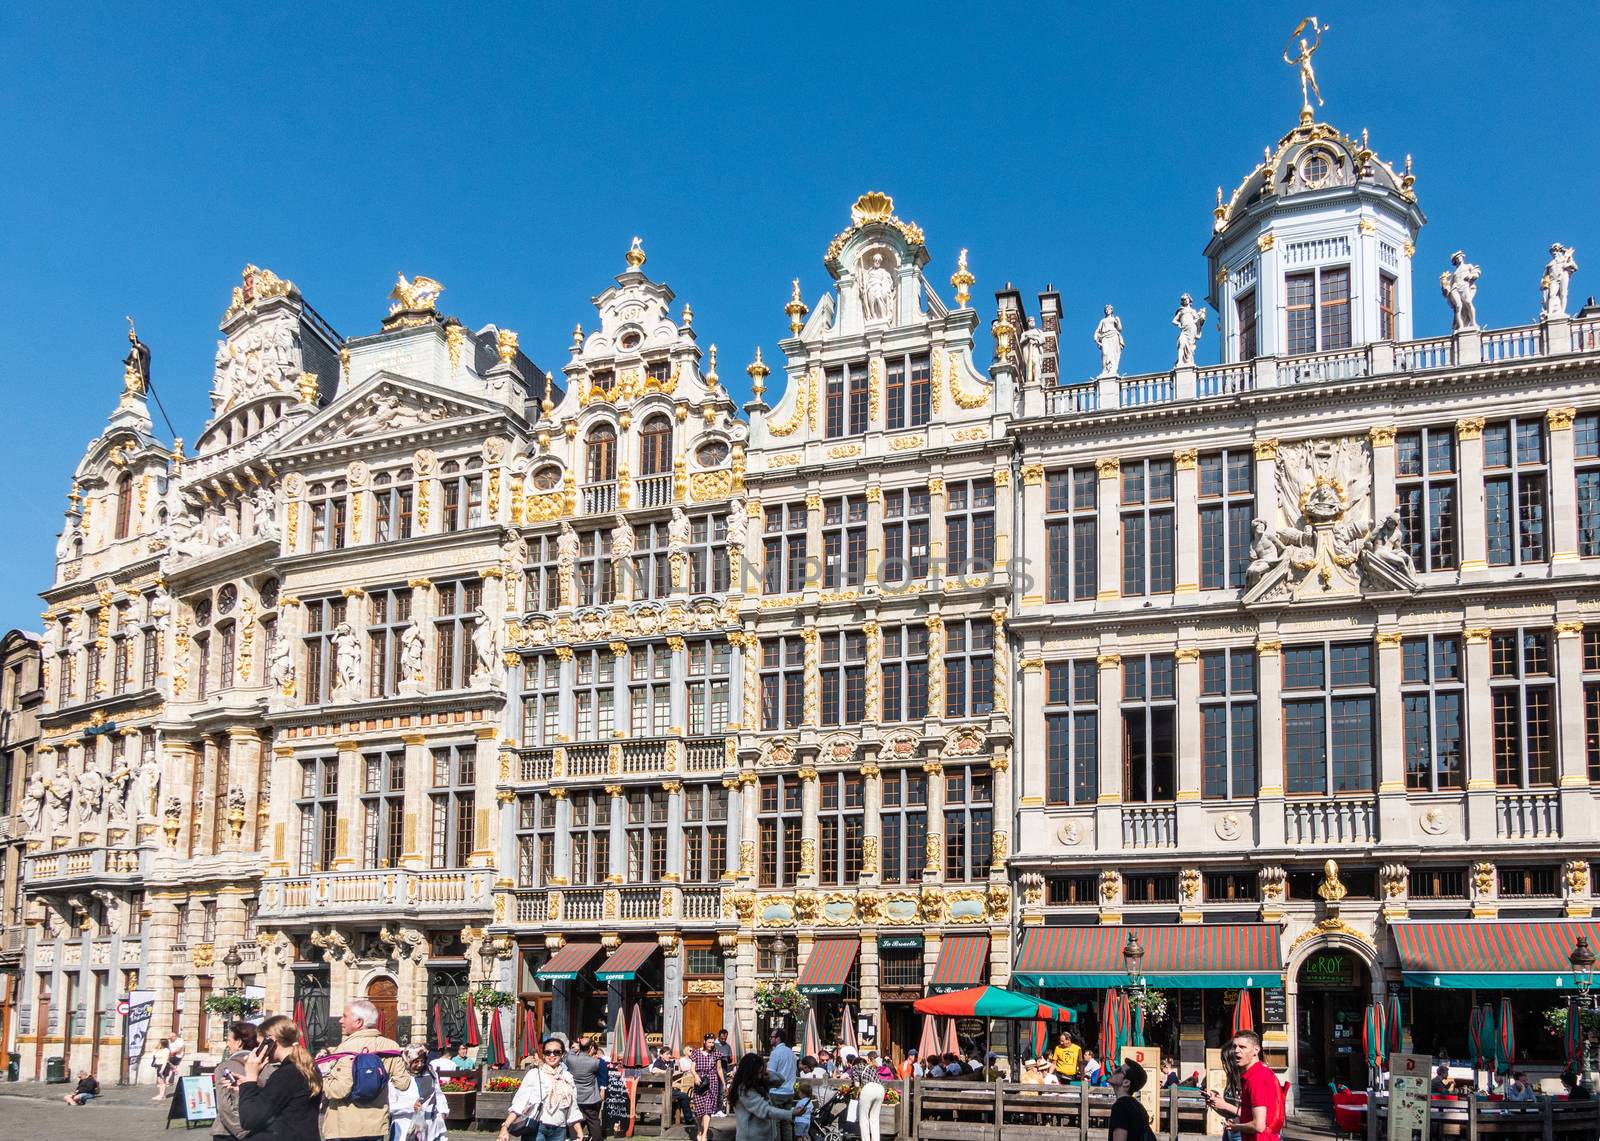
column 511, row 151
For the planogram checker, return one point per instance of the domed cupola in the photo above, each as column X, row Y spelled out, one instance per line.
column 1311, row 253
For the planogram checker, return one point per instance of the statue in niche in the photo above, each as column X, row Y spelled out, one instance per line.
column 877, row 291
column 117, row 786
column 1557, row 273
column 1459, row 284
column 1034, row 342
column 264, row 514
column 411, row 658
column 347, row 656
column 91, row 793
column 33, row 804
column 1108, row 336
column 58, row 798
column 622, row 540
column 1190, row 321
column 280, row 666
column 738, row 523
column 485, row 643
column 147, row 786
column 678, row 532
column 223, row 533
column 567, row 547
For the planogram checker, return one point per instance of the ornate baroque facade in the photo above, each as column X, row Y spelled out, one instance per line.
column 432, row 669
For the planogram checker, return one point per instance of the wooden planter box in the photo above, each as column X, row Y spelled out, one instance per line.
column 462, row 1105
column 889, row 1120
column 493, row 1105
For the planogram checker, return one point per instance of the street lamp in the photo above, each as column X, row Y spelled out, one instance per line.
column 1582, row 960
column 1133, row 957
column 233, row 960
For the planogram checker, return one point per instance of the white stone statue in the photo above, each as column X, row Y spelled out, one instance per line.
column 1034, row 343
column 1108, row 336
column 222, row 375
column 1459, row 284
column 567, row 547
column 1265, row 551
column 33, row 804
column 184, row 535
column 877, row 291
column 223, row 533
column 347, row 658
column 91, row 793
column 514, row 552
column 1190, row 321
column 147, row 786
column 70, row 545
column 1557, row 272
column 280, row 666
column 411, row 655
column 58, row 797
column 485, row 644
column 738, row 523
column 1386, row 546
column 112, row 909
column 678, row 532
column 264, row 514
column 622, row 540
column 384, row 412
column 117, row 785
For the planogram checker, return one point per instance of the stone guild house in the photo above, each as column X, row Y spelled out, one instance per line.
column 432, row 669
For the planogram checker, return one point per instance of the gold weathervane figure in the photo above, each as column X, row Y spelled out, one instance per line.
column 1308, row 77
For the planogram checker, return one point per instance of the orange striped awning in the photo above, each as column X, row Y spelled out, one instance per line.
column 963, row 963
column 1177, row 955
column 828, row 968
column 1505, row 954
column 625, row 961
column 567, row 962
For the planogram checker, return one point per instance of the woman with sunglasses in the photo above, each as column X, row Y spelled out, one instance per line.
column 546, row 1103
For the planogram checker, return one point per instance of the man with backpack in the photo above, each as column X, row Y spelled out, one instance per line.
column 356, row 1078
column 1261, row 1099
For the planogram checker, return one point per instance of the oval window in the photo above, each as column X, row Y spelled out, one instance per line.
column 711, row 453
column 630, row 340
column 1316, row 169
column 547, row 477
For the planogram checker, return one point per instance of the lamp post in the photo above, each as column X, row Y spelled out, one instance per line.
column 1133, row 958
column 231, row 962
column 1582, row 960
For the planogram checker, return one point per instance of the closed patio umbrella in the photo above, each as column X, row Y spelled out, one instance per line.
column 847, row 1035
column 635, row 1050
column 1243, row 1015
column 674, row 1035
column 928, row 1044
column 1108, row 1027
column 497, row 1041
column 1395, row 1026
column 811, row 1042
column 952, row 1042
column 1506, row 1039
column 1481, row 1030
column 1572, row 1040
column 1374, row 1035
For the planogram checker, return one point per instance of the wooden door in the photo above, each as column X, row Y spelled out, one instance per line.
column 702, row 1015
column 384, row 993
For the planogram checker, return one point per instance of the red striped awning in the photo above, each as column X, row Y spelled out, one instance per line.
column 963, row 963
column 828, row 968
column 567, row 962
column 1178, row 955
column 625, row 961
column 1505, row 954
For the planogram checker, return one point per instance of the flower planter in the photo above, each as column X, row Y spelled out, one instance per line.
column 888, row 1120
column 462, row 1106
column 493, row 1105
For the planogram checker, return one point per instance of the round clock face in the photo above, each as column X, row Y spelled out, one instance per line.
column 227, row 598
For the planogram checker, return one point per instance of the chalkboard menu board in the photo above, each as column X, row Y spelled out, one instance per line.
column 1274, row 1006
column 1191, row 1011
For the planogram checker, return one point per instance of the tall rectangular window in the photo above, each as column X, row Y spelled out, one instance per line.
column 905, row 824
column 462, row 485
column 651, row 570
column 705, row 833
column 778, row 814
column 844, row 541
column 318, row 809
column 1300, row 312
column 1149, row 728
column 646, row 834
column 1227, row 505
column 1072, row 732
column 1071, row 504
column 784, row 548
column 650, row 690
column 782, row 682
column 1229, row 748
column 1522, row 697
column 1515, row 486
column 383, row 808
column 1249, row 342
column 906, row 526
column 1333, row 299
column 452, row 632
column 1317, row 308
column 1435, row 719
column 453, row 799
column 228, row 658
column 968, row 667
column 593, row 579
column 150, row 639
column 324, row 616
column 1586, row 455
column 846, row 400
column 1329, row 733
column 330, row 513
column 388, row 618
column 707, row 687
column 594, row 694
column 1425, row 485
column 541, row 700
column 841, row 829
column 968, row 822
column 536, row 839
column 121, row 649
column 1388, row 307
column 905, row 672
column 591, row 836
column 908, row 393
column 708, row 553
column 1147, row 527
column 969, row 527
column 392, row 496
column 1591, row 699
column 844, row 677
column 542, row 592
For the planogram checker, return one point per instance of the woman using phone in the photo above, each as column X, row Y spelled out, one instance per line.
column 285, row 1106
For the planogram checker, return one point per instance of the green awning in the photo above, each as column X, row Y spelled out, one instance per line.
column 625, row 961
column 1177, row 956
column 1489, row 954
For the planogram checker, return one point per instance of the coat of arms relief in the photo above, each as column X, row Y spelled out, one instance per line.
column 1327, row 542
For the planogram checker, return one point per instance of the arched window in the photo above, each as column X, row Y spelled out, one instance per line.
column 124, row 503
column 601, row 453
column 655, row 446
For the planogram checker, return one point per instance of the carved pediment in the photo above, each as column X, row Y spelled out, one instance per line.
column 384, row 404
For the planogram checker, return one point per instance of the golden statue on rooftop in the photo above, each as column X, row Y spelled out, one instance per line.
column 1308, row 76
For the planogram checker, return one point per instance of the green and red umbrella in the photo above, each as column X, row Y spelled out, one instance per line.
column 1506, row 1040
column 1375, row 1034
column 1480, row 1030
column 1573, row 1038
column 1395, row 1026
column 993, row 1002
column 1116, row 1025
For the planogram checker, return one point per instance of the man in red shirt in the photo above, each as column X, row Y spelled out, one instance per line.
column 1260, row 1108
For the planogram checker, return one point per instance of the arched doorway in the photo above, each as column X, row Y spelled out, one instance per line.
column 384, row 993
column 1333, row 987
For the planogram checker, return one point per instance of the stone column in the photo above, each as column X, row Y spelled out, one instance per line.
column 1005, row 507
column 678, row 681
column 1269, row 676
column 1563, row 487
column 1474, row 533
column 1480, row 731
column 1191, row 777
column 674, row 872
column 749, row 803
column 418, row 815
column 671, row 979
column 1028, row 724
column 285, row 787
column 870, row 1002
column 1266, row 481
column 937, row 570
column 744, row 989
column 244, row 767
column 486, row 768
column 619, row 835
column 161, row 931
column 1108, row 810
column 350, row 781
column 735, row 828
column 1393, row 809
column 933, row 866
column 1033, row 551
column 872, row 822
column 1577, row 805
column 1108, row 527
column 809, row 826
column 177, row 781
column 563, row 838
column 1186, row 491
column 813, row 540
column 1383, row 469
